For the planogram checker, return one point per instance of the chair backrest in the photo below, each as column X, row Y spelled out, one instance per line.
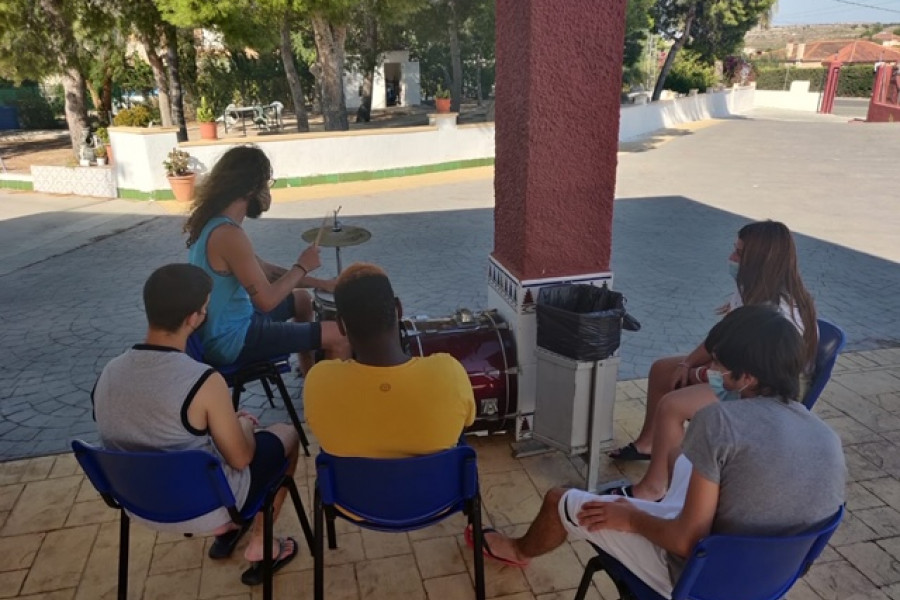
column 399, row 493
column 831, row 342
column 724, row 567
column 164, row 487
column 194, row 347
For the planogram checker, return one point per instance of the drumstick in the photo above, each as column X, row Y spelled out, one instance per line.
column 321, row 230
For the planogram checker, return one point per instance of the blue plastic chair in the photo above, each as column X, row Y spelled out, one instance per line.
column 727, row 567
column 831, row 342
column 267, row 372
column 170, row 487
column 400, row 494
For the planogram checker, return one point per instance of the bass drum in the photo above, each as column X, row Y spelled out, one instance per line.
column 484, row 345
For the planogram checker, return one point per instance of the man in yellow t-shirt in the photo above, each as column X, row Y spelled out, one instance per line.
column 383, row 403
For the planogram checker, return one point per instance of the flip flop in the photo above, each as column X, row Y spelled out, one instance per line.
column 254, row 575
column 628, row 452
column 486, row 550
column 626, row 491
column 226, row 543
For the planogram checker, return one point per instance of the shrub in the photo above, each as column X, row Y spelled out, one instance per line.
column 177, row 163
column 855, row 80
column 690, row 72
column 103, row 135
column 34, row 112
column 205, row 112
column 136, row 116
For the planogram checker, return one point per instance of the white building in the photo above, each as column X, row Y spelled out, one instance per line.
column 396, row 82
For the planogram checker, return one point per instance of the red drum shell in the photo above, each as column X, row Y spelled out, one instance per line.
column 487, row 351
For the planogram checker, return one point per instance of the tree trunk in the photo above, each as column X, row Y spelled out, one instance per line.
column 293, row 77
column 670, row 58
column 162, row 82
column 330, row 40
column 479, row 97
column 455, row 59
column 95, row 97
column 369, row 62
column 76, row 112
column 106, row 99
column 175, row 92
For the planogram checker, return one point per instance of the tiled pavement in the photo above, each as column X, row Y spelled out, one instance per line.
column 59, row 541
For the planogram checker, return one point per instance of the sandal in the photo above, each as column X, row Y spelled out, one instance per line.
column 225, row 544
column 254, row 575
column 486, row 550
column 628, row 452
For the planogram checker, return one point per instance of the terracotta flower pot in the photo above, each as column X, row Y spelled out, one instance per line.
column 208, row 131
column 109, row 156
column 183, row 186
column 442, row 105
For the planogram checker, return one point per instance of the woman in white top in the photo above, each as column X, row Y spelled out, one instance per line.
column 764, row 266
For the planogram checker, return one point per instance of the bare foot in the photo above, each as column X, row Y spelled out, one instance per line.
column 281, row 549
column 504, row 548
column 645, row 492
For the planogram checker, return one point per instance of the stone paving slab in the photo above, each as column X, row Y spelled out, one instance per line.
column 59, row 540
column 65, row 313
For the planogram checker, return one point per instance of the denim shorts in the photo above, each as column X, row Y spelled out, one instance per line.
column 272, row 334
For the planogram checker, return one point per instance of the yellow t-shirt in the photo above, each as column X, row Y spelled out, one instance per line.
column 419, row 407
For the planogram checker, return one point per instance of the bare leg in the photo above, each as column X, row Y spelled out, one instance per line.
column 545, row 533
column 291, row 442
column 658, row 385
column 674, row 409
column 303, row 313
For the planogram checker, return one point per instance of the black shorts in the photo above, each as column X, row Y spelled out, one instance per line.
column 266, row 467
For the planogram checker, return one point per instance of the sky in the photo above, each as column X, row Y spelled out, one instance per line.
column 797, row 12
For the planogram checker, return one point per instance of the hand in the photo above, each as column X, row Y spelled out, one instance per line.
column 309, row 259
column 680, row 376
column 327, row 285
column 597, row 515
column 252, row 418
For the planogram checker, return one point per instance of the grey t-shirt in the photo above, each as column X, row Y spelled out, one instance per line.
column 780, row 468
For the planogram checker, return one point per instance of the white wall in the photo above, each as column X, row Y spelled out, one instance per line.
column 795, row 100
column 138, row 154
column 639, row 120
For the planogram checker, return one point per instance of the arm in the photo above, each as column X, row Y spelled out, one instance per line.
column 232, row 435
column 678, row 535
column 682, row 374
column 233, row 246
column 274, row 272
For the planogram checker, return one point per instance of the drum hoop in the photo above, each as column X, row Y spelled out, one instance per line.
column 506, row 374
column 415, row 334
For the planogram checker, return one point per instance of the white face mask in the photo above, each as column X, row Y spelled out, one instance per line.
column 733, row 269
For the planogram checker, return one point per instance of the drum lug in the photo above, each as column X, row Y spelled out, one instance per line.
column 497, row 373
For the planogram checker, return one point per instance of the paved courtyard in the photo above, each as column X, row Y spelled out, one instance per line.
column 70, row 278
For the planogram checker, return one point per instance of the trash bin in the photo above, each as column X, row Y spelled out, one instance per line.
column 9, row 117
column 583, row 322
column 578, row 332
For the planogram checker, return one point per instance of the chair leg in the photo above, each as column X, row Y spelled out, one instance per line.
column 301, row 513
column 319, row 550
column 268, row 518
column 592, row 567
column 332, row 535
column 268, row 389
column 475, row 519
column 123, row 554
column 292, row 412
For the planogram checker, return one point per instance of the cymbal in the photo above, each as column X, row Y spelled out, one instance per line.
column 348, row 235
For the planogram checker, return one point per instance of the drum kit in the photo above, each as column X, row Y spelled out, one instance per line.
column 481, row 341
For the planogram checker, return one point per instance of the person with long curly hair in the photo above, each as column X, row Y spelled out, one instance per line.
column 764, row 266
column 252, row 301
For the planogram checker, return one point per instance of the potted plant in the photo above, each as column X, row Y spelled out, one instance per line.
column 178, row 171
column 100, row 155
column 103, row 139
column 442, row 99
column 207, row 119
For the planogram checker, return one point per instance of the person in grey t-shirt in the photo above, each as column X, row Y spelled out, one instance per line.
column 760, row 464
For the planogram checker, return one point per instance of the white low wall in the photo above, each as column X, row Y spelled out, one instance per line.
column 639, row 120
column 139, row 153
column 98, row 182
column 795, row 100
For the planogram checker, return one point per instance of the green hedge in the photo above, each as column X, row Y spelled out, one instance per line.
column 34, row 110
column 855, row 80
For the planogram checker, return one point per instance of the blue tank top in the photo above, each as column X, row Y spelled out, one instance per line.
column 230, row 309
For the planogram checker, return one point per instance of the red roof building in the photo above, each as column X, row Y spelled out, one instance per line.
column 813, row 54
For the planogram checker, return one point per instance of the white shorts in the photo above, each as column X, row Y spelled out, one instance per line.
column 643, row 558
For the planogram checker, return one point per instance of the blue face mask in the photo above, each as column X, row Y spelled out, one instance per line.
column 733, row 269
column 717, row 383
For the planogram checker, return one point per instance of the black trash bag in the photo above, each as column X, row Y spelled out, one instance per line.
column 583, row 322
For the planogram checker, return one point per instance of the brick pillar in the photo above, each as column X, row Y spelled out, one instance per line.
column 559, row 74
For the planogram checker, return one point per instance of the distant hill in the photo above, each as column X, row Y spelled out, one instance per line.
column 776, row 37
